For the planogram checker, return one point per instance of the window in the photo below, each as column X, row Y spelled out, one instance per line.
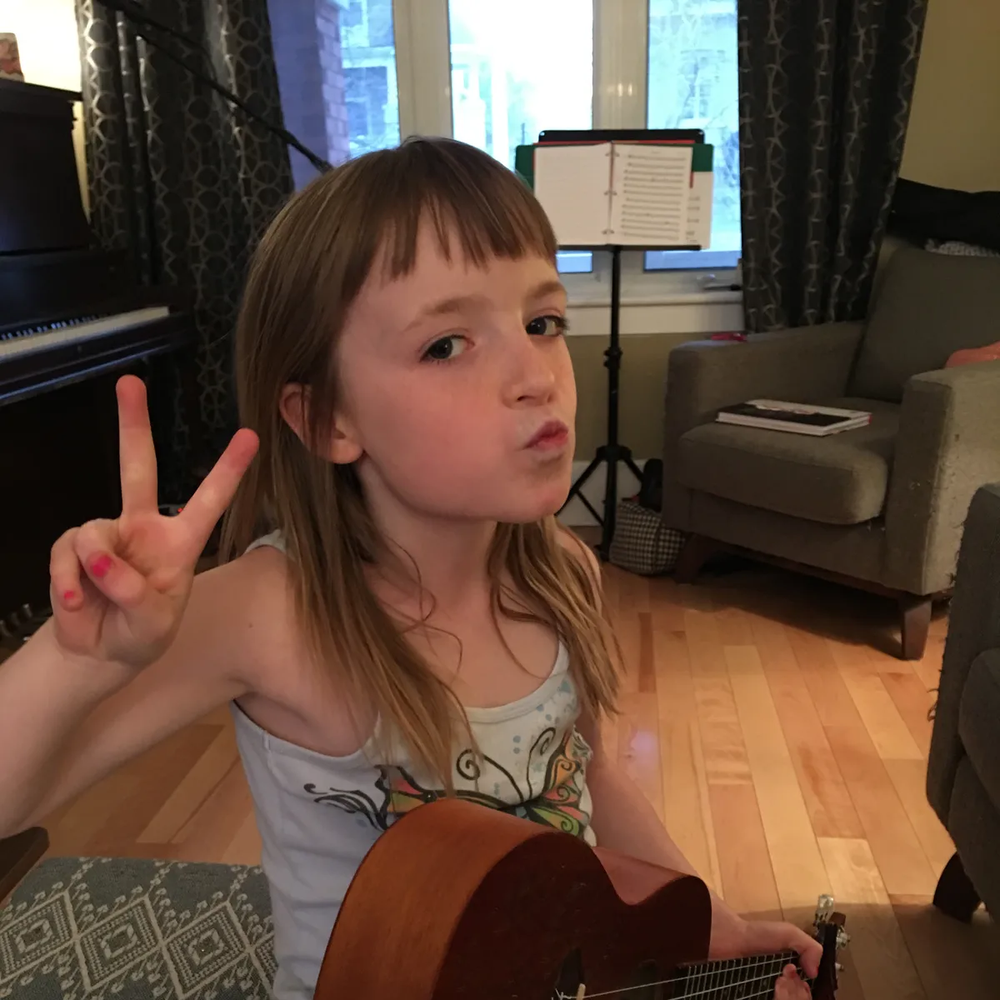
column 336, row 64
column 358, row 75
column 368, row 55
column 507, row 84
column 509, row 80
column 692, row 83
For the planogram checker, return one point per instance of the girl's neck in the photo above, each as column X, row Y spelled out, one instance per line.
column 444, row 558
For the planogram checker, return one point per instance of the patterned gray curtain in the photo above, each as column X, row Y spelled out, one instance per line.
column 186, row 183
column 825, row 90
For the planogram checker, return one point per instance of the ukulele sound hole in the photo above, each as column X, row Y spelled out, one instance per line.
column 570, row 976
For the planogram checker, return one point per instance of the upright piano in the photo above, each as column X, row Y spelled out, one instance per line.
column 73, row 317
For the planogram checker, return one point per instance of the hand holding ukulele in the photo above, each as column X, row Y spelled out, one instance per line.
column 118, row 588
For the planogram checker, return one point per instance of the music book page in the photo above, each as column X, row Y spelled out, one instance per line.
column 650, row 190
column 699, row 211
column 573, row 183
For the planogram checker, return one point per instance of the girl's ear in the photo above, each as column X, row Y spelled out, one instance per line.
column 339, row 445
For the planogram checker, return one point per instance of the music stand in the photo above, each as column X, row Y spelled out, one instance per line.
column 612, row 451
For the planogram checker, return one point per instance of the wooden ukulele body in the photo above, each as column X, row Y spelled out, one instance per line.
column 459, row 901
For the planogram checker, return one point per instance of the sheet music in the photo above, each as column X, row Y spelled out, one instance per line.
column 572, row 184
column 650, row 190
column 699, row 210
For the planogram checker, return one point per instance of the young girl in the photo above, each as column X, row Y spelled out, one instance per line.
column 398, row 615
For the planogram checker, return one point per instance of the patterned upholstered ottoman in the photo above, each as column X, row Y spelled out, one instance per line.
column 133, row 929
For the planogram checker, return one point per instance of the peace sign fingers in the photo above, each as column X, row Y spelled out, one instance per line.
column 213, row 496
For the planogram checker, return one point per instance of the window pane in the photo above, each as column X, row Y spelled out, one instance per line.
column 337, row 74
column 693, row 84
column 518, row 68
column 368, row 52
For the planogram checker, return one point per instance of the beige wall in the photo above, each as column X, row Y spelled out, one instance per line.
column 640, row 391
column 953, row 138
column 50, row 51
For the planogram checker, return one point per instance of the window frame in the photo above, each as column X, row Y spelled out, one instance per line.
column 621, row 72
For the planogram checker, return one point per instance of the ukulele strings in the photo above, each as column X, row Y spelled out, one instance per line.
column 772, row 977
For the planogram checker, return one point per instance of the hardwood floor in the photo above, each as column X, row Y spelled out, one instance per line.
column 770, row 725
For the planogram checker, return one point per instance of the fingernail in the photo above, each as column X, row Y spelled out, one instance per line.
column 101, row 565
column 69, row 596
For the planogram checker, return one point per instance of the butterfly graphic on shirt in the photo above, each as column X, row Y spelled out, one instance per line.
column 557, row 802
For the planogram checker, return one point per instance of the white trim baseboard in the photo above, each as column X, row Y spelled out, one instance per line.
column 575, row 515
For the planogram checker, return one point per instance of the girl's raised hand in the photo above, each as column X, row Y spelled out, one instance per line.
column 119, row 588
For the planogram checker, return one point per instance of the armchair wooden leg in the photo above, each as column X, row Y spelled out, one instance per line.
column 955, row 894
column 915, row 613
column 696, row 552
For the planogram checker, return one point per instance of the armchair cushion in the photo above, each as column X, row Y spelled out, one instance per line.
column 930, row 306
column 841, row 479
column 979, row 717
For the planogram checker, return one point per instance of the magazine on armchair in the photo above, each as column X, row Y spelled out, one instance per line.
column 797, row 418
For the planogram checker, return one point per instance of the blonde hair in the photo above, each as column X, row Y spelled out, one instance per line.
column 305, row 274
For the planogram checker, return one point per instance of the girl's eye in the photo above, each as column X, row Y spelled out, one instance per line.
column 446, row 349
column 548, row 326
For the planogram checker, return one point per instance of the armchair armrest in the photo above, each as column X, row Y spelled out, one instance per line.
column 973, row 631
column 947, row 448
column 803, row 365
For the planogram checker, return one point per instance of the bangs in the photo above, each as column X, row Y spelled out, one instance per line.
column 465, row 195
column 367, row 214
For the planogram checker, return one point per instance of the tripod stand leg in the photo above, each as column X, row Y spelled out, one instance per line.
column 633, row 468
column 579, row 484
column 593, row 513
column 608, row 521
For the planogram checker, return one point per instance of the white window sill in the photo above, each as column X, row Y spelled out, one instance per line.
column 722, row 297
column 680, row 315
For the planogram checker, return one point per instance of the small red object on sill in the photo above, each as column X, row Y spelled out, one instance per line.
column 734, row 335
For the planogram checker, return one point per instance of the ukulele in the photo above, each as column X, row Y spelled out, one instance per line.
column 459, row 902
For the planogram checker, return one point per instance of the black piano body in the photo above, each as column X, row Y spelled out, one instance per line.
column 73, row 318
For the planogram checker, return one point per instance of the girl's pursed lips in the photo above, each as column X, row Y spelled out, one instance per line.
column 552, row 434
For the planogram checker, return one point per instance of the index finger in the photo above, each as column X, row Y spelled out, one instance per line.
column 213, row 496
column 136, row 453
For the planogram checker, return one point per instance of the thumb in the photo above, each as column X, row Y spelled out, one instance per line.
column 94, row 547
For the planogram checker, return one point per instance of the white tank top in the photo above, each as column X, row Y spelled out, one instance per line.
column 318, row 816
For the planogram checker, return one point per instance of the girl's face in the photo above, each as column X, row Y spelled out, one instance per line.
column 458, row 390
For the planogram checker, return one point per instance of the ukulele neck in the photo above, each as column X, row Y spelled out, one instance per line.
column 734, row 979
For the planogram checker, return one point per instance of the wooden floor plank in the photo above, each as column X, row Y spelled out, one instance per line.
column 831, row 809
column 901, row 859
column 909, row 778
column 197, row 785
column 217, row 822
column 879, row 713
column 914, row 703
column 639, row 746
column 878, row 950
column 798, row 869
column 682, row 764
column 745, row 871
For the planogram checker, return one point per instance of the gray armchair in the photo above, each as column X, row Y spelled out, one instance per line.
column 882, row 507
column 963, row 766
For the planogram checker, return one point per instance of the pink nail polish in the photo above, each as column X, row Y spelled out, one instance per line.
column 69, row 596
column 101, row 565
